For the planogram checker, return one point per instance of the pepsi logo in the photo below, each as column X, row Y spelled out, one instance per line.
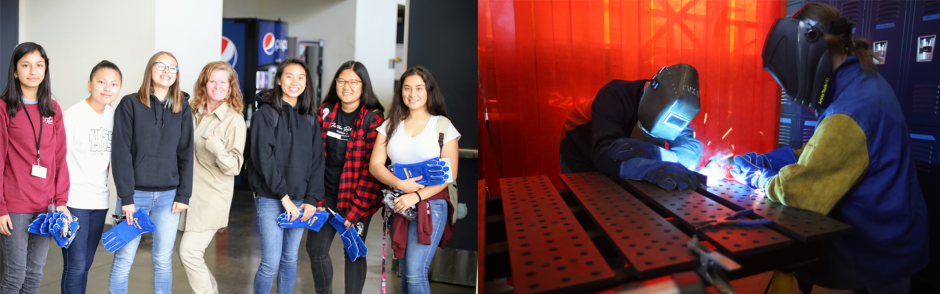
column 229, row 52
column 268, row 43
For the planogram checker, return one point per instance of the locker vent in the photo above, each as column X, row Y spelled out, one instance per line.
column 922, row 153
column 888, row 10
column 926, row 99
column 850, row 9
column 931, row 7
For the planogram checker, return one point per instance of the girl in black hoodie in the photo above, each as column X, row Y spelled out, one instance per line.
column 152, row 162
column 287, row 158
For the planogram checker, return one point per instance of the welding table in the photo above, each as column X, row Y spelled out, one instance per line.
column 602, row 232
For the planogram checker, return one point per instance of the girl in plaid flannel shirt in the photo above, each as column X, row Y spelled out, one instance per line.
column 349, row 116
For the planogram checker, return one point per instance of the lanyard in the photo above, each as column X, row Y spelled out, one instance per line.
column 38, row 139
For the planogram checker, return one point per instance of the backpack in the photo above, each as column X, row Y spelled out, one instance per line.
column 248, row 166
column 442, row 125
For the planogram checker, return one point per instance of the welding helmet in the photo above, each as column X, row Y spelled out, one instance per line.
column 669, row 102
column 797, row 57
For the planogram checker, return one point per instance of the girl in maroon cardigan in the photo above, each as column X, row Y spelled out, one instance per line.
column 35, row 175
column 410, row 136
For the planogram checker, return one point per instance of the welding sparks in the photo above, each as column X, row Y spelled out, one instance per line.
column 727, row 156
column 693, row 134
column 709, row 143
column 732, row 146
column 726, row 133
column 761, row 133
column 706, row 119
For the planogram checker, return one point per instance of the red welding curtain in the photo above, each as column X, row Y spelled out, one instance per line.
column 538, row 59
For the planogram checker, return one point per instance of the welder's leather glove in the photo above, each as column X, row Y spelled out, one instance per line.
column 668, row 175
column 627, row 148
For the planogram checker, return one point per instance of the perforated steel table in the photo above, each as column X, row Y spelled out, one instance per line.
column 570, row 240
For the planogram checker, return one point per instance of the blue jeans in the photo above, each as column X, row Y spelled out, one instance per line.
column 279, row 248
column 414, row 266
column 80, row 255
column 24, row 255
column 159, row 205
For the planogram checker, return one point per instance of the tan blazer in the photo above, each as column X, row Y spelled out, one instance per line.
column 218, row 161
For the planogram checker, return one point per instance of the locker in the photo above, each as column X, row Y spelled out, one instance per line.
column 859, row 12
column 925, row 149
column 920, row 99
column 888, row 20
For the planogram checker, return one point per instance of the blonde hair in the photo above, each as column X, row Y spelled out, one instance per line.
column 146, row 87
column 234, row 99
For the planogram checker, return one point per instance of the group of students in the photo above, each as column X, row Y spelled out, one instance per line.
column 174, row 159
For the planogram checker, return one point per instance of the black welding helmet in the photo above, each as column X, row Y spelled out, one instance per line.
column 669, row 102
column 797, row 57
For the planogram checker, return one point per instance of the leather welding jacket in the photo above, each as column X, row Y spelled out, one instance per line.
column 591, row 127
column 857, row 168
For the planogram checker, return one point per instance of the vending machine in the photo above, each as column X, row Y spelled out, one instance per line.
column 255, row 48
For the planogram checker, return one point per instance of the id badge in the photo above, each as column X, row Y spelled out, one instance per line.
column 39, row 171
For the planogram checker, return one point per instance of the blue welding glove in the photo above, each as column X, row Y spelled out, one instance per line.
column 750, row 174
column 122, row 233
column 63, row 231
column 348, row 236
column 362, row 245
column 314, row 223
column 773, row 160
column 627, row 148
column 433, row 171
column 39, row 226
column 668, row 175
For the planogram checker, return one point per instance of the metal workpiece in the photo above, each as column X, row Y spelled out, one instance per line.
column 651, row 244
column 692, row 207
column 549, row 251
column 800, row 224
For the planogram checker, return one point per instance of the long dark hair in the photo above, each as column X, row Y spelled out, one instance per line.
column 368, row 98
column 13, row 94
column 843, row 43
column 399, row 111
column 304, row 101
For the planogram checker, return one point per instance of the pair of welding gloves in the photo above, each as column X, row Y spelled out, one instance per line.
column 314, row 223
column 353, row 243
column 435, row 171
column 123, row 233
column 640, row 160
column 755, row 170
column 56, row 225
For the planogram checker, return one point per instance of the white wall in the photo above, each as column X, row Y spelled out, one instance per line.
column 192, row 31
column 78, row 34
column 376, row 27
column 76, row 42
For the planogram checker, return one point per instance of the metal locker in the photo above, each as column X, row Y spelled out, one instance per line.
column 887, row 26
column 920, row 99
column 859, row 12
column 925, row 150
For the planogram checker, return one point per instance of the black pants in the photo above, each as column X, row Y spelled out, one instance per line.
column 318, row 248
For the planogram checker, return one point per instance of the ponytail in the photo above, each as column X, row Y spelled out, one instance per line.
column 865, row 56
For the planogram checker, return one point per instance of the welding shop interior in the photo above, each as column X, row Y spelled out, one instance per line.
column 552, row 232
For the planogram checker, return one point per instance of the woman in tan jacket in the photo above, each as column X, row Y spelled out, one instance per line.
column 220, row 130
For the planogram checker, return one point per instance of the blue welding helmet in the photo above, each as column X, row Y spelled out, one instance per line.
column 797, row 57
column 670, row 102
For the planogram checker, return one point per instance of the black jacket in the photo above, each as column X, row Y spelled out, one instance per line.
column 287, row 154
column 152, row 149
column 613, row 116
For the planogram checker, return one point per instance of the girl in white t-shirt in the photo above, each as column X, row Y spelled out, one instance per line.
column 88, row 126
column 409, row 135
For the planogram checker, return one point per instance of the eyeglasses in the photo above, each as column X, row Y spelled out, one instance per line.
column 162, row 66
column 352, row 83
